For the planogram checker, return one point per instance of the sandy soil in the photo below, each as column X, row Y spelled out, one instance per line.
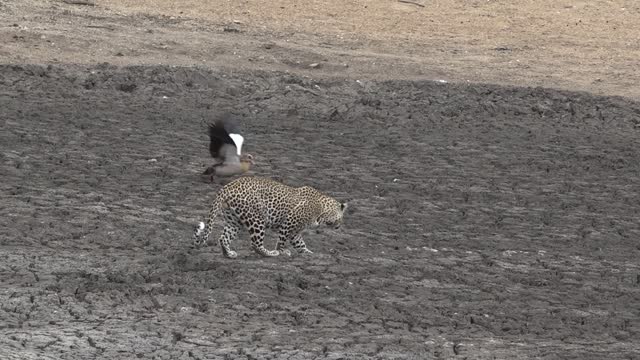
column 576, row 45
column 485, row 221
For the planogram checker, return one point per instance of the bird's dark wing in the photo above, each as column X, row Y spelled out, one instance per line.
column 219, row 134
column 229, row 123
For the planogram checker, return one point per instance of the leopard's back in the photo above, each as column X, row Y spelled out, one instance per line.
column 258, row 197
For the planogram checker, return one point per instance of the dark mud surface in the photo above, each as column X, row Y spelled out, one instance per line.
column 485, row 222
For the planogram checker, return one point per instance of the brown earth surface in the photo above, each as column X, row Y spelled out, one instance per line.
column 485, row 221
column 576, row 45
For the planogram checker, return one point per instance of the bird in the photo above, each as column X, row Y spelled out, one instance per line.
column 225, row 146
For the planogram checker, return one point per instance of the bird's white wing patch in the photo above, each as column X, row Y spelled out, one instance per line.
column 238, row 140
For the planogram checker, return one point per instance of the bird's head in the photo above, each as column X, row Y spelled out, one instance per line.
column 246, row 160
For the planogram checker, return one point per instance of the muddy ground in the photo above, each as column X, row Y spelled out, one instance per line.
column 485, row 222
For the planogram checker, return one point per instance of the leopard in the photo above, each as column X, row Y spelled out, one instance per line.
column 258, row 203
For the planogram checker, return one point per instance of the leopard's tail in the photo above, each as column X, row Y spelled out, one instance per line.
column 203, row 230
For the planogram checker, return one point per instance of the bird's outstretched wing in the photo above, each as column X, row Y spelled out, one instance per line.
column 223, row 133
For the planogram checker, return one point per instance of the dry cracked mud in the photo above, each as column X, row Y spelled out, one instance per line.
column 485, row 221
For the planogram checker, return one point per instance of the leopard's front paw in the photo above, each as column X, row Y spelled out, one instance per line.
column 272, row 253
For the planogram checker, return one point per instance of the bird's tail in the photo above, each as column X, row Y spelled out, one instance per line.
column 203, row 230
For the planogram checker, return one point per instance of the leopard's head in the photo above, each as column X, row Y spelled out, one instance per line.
column 333, row 214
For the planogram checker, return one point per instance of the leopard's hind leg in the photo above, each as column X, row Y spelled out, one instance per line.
column 257, row 232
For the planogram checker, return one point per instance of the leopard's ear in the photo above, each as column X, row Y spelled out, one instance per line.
column 344, row 206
